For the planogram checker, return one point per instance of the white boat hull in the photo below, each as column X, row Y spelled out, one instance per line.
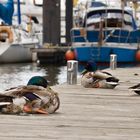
column 16, row 53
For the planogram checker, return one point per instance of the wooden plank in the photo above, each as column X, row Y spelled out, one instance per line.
column 84, row 114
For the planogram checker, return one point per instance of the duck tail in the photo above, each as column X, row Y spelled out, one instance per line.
column 4, row 101
column 4, row 98
column 112, row 79
column 135, row 86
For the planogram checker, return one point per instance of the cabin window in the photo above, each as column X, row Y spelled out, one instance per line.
column 127, row 18
column 109, row 20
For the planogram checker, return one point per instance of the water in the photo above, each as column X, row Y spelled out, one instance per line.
column 12, row 75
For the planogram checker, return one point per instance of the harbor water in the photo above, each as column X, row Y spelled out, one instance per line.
column 12, row 75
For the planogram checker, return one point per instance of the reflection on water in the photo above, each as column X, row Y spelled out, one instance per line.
column 55, row 74
column 12, row 75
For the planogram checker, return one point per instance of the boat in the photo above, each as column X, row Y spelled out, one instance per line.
column 31, row 15
column 15, row 45
column 15, row 41
column 106, row 30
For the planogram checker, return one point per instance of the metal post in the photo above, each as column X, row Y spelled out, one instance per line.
column 34, row 56
column 72, row 68
column 113, row 61
column 19, row 12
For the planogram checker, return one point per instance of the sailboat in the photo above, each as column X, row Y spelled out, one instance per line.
column 106, row 30
column 31, row 15
column 15, row 41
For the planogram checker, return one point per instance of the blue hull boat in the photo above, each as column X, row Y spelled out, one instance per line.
column 105, row 31
column 84, row 54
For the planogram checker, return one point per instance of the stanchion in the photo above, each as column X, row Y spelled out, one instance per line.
column 34, row 57
column 72, row 68
column 113, row 61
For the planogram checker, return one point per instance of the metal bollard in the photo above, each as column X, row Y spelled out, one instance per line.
column 113, row 61
column 34, row 56
column 72, row 68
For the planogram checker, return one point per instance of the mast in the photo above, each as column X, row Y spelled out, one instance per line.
column 101, row 33
column 19, row 12
column 122, row 6
column 135, row 6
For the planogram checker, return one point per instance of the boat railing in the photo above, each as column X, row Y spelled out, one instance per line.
column 110, row 34
column 21, row 34
column 117, row 35
column 78, row 35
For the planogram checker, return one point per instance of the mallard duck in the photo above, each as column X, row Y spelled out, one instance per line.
column 135, row 88
column 93, row 78
column 36, row 97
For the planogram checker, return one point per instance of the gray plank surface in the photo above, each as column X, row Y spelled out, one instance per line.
column 84, row 114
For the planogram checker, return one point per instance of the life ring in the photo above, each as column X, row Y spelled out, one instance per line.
column 8, row 31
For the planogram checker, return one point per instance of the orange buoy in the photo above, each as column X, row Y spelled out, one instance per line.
column 138, row 55
column 70, row 54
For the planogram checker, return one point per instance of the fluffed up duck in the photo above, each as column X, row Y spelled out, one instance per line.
column 36, row 97
column 93, row 78
column 135, row 88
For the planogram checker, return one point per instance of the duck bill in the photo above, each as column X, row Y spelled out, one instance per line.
column 28, row 109
column 41, row 111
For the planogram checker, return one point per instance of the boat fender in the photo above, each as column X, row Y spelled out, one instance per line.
column 8, row 31
column 70, row 55
column 138, row 55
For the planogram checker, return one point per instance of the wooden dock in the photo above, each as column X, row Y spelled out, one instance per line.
column 51, row 54
column 84, row 114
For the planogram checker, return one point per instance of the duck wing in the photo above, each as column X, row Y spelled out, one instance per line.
column 101, row 75
column 30, row 96
column 54, row 106
column 109, row 77
column 21, row 90
column 107, row 73
column 14, row 91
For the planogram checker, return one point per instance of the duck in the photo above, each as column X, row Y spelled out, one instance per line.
column 37, row 97
column 94, row 78
column 135, row 88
